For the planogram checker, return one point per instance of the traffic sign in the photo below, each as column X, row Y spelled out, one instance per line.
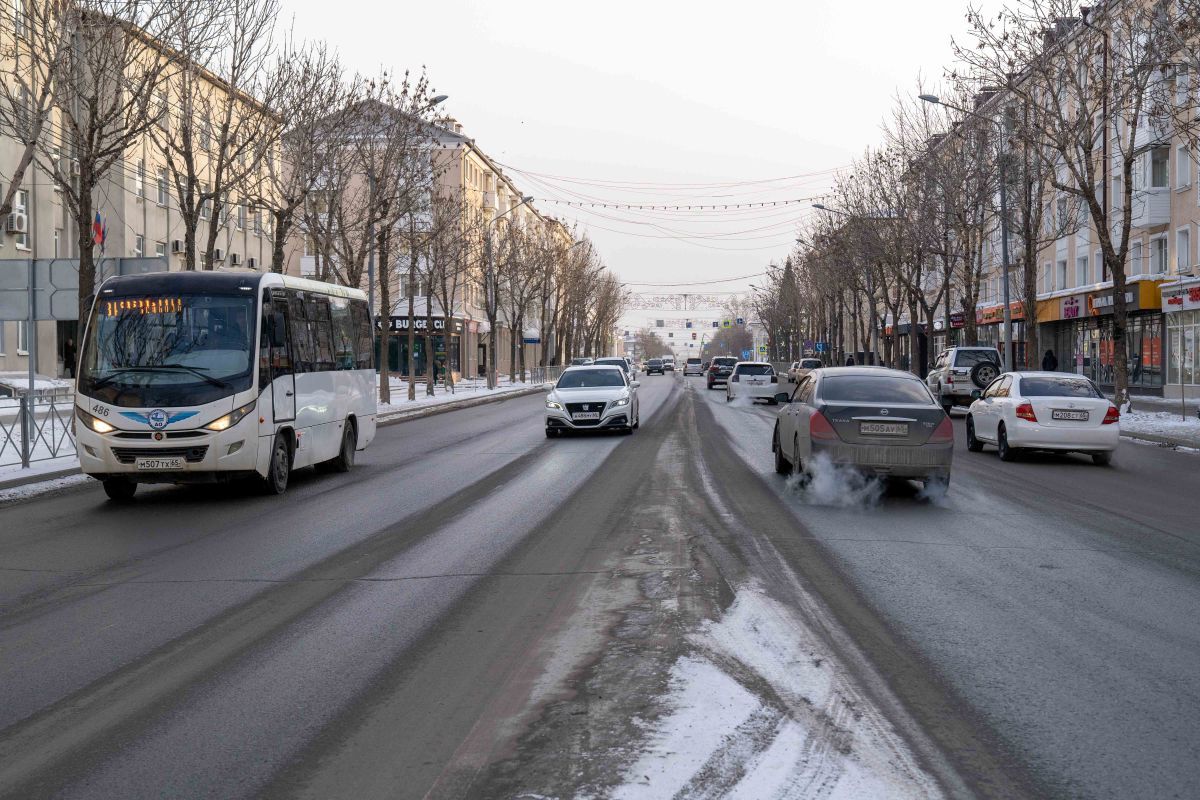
column 746, row 355
column 821, row 347
column 741, row 321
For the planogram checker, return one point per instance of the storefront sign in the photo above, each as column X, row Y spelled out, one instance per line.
column 421, row 324
column 995, row 314
column 1072, row 306
column 1184, row 298
column 958, row 319
column 1102, row 303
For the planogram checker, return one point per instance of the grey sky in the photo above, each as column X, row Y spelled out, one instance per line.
column 660, row 92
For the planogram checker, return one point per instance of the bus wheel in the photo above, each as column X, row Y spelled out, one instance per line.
column 345, row 457
column 281, row 467
column 119, row 490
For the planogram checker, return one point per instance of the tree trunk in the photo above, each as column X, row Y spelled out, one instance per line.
column 385, row 330
column 87, row 262
column 412, row 334
column 282, row 228
column 429, row 346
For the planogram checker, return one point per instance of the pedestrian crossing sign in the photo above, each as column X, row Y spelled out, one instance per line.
column 726, row 323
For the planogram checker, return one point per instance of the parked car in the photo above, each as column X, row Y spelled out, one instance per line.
column 958, row 371
column 669, row 363
column 1044, row 411
column 879, row 421
column 580, row 361
column 692, row 367
column 655, row 365
column 800, row 368
column 753, row 379
column 719, row 370
column 593, row 397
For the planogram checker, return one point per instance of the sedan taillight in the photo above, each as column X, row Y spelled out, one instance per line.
column 943, row 433
column 1025, row 412
column 1111, row 416
column 734, row 378
column 774, row 379
column 819, row 427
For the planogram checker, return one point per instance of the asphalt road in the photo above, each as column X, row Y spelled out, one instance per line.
column 476, row 611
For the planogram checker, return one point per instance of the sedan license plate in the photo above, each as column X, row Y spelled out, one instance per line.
column 883, row 428
column 586, row 415
column 160, row 463
column 1076, row 416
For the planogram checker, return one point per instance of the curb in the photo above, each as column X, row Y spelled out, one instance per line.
column 442, row 408
column 1162, row 441
column 25, row 480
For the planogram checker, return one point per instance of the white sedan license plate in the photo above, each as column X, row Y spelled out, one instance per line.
column 883, row 428
column 586, row 415
column 1077, row 416
column 160, row 463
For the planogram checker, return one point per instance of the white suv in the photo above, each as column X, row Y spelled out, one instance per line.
column 958, row 371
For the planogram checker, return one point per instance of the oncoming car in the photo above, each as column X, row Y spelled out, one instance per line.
column 1044, row 411
column 655, row 365
column 879, row 421
column 594, row 397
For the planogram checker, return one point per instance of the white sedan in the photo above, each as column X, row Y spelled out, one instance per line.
column 753, row 379
column 595, row 397
column 1043, row 411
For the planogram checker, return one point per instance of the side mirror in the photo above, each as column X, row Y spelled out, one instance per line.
column 548, row 386
column 783, row 397
column 278, row 330
column 634, row 384
column 976, row 394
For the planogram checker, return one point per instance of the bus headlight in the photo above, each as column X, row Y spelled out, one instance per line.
column 232, row 418
column 98, row 425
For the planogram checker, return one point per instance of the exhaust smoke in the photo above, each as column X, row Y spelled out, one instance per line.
column 824, row 483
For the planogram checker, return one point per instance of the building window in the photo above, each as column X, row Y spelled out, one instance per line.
column 1, row 338
column 139, row 180
column 1046, row 273
column 19, row 17
column 57, row 241
column 1081, row 271
column 1183, row 167
column 139, row 246
column 163, row 196
column 160, row 249
column 1061, row 277
column 1135, row 259
column 241, row 216
column 1159, row 157
column 256, row 221
column 1182, row 85
column 1183, row 250
column 205, row 203
column 22, row 338
column 1099, row 267
column 21, row 207
column 1158, row 255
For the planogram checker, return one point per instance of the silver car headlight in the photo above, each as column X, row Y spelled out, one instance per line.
column 624, row 401
column 554, row 404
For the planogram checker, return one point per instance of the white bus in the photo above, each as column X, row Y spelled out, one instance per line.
column 195, row 377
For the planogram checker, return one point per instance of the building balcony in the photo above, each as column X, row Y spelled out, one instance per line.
column 1151, row 207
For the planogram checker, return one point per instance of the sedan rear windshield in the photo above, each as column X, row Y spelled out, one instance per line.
column 693, row 361
column 1059, row 387
column 810, row 363
column 755, row 369
column 615, row 362
column 873, row 389
column 590, row 378
column 724, row 362
column 969, row 358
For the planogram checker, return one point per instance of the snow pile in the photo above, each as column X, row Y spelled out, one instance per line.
column 761, row 710
column 1162, row 423
column 462, row 391
column 825, row 483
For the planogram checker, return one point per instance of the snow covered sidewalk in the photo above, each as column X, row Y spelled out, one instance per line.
column 466, row 394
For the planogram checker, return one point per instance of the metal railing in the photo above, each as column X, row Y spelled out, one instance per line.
column 35, row 429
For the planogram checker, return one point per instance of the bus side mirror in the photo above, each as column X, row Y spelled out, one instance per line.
column 278, row 330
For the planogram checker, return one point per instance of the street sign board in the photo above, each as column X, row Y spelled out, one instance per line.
column 741, row 321
column 52, row 284
column 762, row 348
column 746, row 355
column 821, row 347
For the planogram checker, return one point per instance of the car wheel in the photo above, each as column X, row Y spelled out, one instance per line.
column 797, row 464
column 782, row 465
column 119, row 490
column 1006, row 453
column 281, row 467
column 973, row 444
column 345, row 457
column 637, row 421
column 1102, row 458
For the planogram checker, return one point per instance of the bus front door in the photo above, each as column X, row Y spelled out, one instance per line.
column 283, row 387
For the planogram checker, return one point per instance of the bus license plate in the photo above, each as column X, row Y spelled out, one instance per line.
column 883, row 428
column 1077, row 416
column 586, row 415
column 159, row 463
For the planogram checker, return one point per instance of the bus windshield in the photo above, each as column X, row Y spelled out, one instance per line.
column 181, row 350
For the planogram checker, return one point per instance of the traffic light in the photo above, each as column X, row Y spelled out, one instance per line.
column 693, row 334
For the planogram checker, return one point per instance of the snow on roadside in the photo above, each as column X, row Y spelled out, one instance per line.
column 1161, row 423
column 759, row 710
column 465, row 391
column 40, row 487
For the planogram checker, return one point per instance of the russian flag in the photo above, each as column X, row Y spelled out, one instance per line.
column 98, row 230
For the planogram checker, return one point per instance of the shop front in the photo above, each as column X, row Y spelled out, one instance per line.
column 445, row 348
column 1078, row 329
column 989, row 322
column 1181, row 315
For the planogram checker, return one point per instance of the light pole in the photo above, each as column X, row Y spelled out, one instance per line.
column 870, row 280
column 1002, row 160
column 490, row 285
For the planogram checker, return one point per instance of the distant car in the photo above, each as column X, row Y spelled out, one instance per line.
column 719, row 370
column 800, row 368
column 1044, row 411
column 753, row 379
column 655, row 365
column 615, row 361
column 669, row 363
column 958, row 371
column 878, row 421
column 704, row 365
column 580, row 361
column 692, row 367
column 593, row 397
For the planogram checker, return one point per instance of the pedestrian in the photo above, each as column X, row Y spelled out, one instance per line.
column 68, row 355
column 849, row 361
column 1049, row 362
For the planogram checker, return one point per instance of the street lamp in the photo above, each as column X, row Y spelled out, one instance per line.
column 1002, row 161
column 491, row 291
